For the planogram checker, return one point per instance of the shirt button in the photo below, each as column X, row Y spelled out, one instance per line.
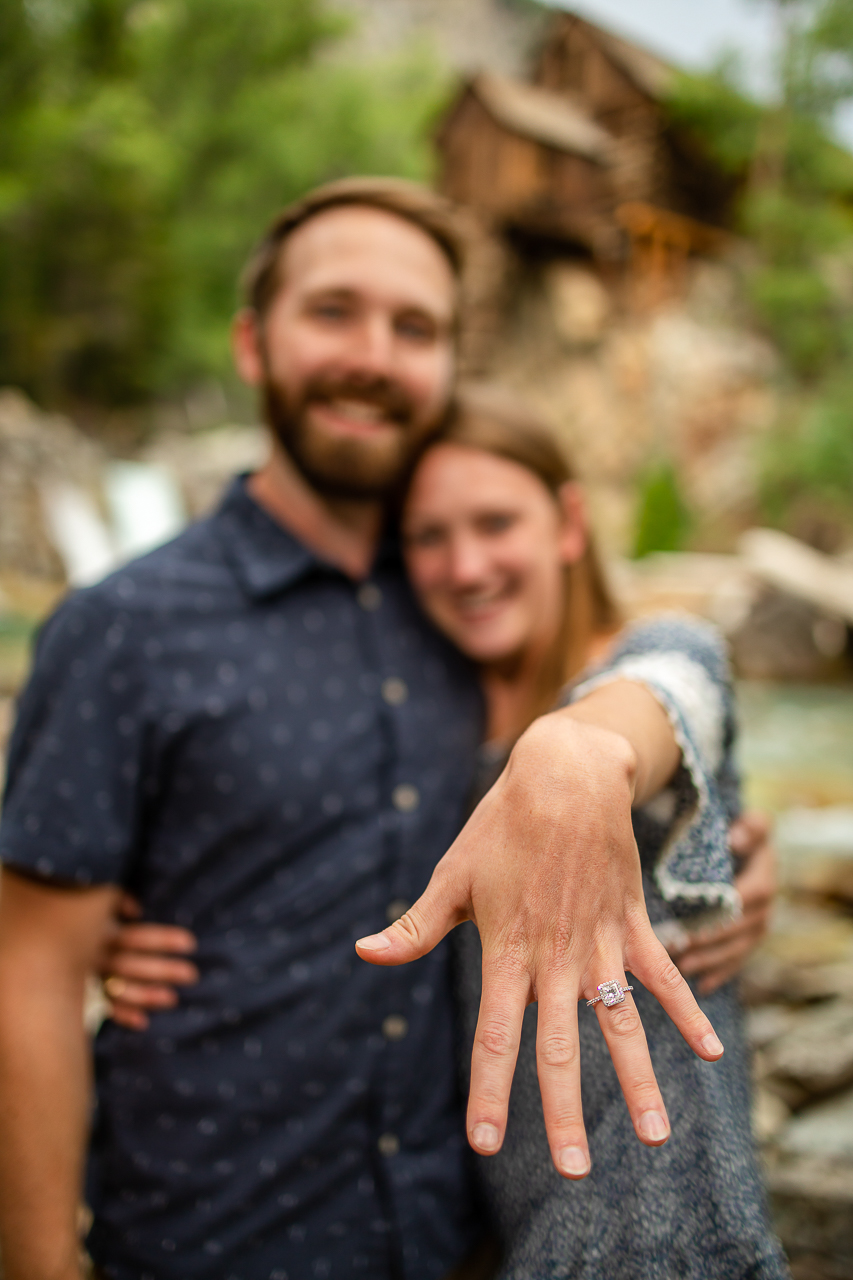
column 395, row 909
column 369, row 597
column 395, row 1027
column 394, row 691
column 388, row 1144
column 405, row 797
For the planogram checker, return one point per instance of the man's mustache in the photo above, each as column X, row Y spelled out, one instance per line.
column 387, row 395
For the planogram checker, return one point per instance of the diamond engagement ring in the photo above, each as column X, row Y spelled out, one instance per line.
column 610, row 992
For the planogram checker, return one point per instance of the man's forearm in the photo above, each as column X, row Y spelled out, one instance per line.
column 44, row 1116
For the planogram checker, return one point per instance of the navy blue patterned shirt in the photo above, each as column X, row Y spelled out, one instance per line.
column 275, row 757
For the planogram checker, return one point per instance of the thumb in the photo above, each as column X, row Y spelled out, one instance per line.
column 438, row 910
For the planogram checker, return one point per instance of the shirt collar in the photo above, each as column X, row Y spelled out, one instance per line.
column 265, row 556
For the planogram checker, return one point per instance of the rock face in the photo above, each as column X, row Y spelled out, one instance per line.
column 686, row 381
column 825, row 1130
column 813, row 1210
column 39, row 450
column 800, row 1025
column 798, row 624
column 826, row 582
column 36, row 448
column 785, row 638
column 580, row 305
column 817, row 1054
column 204, row 461
column 800, row 633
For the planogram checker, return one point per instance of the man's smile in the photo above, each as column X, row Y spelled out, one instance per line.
column 351, row 417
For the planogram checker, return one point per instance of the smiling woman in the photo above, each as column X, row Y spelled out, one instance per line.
column 499, row 554
column 498, row 548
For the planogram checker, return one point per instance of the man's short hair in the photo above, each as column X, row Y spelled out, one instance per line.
column 434, row 214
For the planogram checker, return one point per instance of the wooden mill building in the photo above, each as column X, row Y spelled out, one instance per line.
column 585, row 154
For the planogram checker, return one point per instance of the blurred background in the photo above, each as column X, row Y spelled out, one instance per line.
column 665, row 201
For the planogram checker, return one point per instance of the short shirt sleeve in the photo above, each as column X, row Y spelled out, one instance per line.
column 76, row 767
column 684, row 664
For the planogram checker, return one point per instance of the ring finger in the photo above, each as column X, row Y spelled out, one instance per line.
column 623, row 1030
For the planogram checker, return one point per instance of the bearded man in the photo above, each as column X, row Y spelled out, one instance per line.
column 255, row 731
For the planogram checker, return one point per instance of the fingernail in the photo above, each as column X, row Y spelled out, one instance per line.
column 485, row 1138
column 652, row 1126
column 573, row 1161
column 712, row 1046
column 374, row 942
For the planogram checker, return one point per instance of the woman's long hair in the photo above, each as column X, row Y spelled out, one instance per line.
column 490, row 418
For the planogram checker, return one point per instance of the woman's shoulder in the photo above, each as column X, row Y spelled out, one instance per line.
column 673, row 638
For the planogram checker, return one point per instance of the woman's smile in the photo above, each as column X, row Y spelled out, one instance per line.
column 485, row 549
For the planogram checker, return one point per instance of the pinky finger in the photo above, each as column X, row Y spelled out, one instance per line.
column 661, row 976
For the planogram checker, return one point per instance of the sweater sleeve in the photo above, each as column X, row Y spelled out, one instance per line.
column 682, row 833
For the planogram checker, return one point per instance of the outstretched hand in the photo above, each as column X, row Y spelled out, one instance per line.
column 548, row 869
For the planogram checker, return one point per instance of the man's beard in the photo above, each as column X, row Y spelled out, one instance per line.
column 359, row 468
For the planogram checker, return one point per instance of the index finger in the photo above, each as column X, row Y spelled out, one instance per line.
column 506, row 987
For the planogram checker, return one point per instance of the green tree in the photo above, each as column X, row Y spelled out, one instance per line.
column 663, row 520
column 144, row 145
column 797, row 211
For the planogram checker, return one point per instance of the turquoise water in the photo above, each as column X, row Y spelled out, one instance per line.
column 796, row 744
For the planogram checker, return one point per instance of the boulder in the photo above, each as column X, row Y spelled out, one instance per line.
column 823, row 1131
column 766, row 1023
column 814, row 1266
column 784, row 637
column 769, row 1114
column 824, row 980
column 580, row 304
column 716, row 587
column 825, row 582
column 204, row 461
column 806, row 934
column 817, row 1053
column 35, row 449
column 827, row 877
column 812, row 1204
